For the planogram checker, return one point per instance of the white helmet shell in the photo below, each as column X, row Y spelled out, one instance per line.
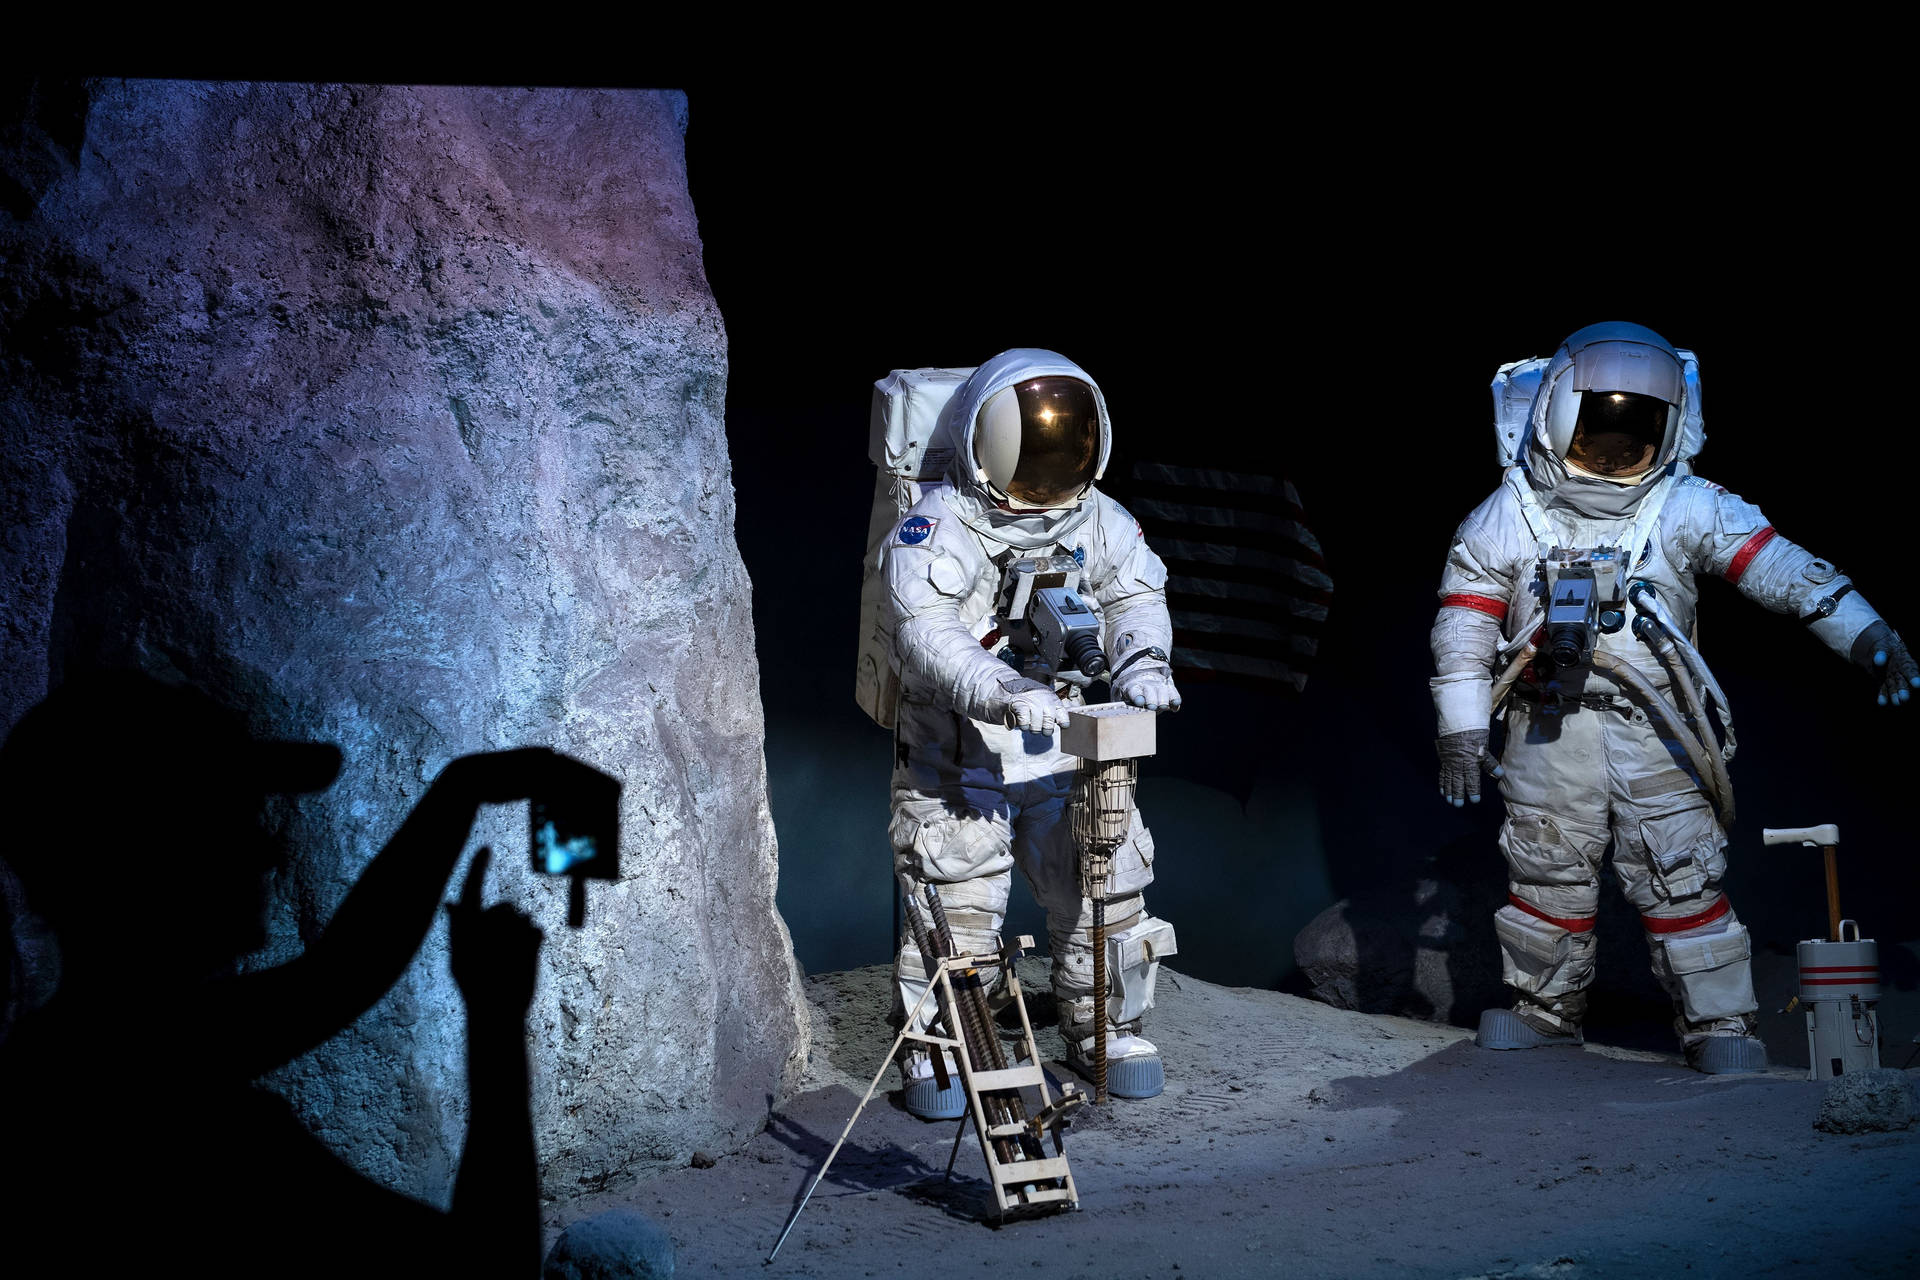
column 1611, row 357
column 987, row 435
column 996, row 439
column 987, row 423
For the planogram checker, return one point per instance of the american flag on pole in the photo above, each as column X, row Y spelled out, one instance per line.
column 1247, row 585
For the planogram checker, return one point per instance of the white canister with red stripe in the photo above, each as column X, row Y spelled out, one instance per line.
column 1840, row 987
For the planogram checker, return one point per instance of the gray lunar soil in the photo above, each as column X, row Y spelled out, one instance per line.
column 1302, row 1140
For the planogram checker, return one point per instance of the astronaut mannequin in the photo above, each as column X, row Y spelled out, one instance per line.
column 1602, row 466
column 980, row 783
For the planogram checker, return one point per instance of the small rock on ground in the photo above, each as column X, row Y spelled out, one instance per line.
column 1877, row 1101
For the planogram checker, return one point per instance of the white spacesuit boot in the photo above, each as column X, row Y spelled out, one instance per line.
column 1572, row 588
column 980, row 783
column 1136, row 941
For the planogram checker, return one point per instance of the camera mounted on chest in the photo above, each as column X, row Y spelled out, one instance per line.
column 1584, row 592
column 1044, row 617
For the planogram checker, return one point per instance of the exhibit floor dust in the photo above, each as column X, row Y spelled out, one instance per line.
column 1301, row 1140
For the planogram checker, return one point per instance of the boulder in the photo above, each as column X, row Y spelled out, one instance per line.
column 620, row 1244
column 393, row 416
column 1876, row 1101
column 1425, row 951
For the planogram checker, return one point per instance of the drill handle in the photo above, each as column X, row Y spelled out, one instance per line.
column 1825, row 837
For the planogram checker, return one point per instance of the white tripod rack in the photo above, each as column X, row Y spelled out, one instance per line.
column 1021, row 1176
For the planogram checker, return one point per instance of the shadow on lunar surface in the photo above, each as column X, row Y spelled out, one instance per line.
column 886, row 1167
column 856, row 1167
column 958, row 1197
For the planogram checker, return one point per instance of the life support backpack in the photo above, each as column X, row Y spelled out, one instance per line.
column 911, row 443
column 1515, row 384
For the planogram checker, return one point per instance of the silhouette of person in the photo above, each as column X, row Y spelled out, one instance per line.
column 137, row 1140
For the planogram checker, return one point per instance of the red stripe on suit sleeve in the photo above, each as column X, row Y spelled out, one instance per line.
column 1748, row 550
column 1484, row 604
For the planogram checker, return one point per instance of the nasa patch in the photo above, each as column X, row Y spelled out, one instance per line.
column 915, row 530
column 1080, row 555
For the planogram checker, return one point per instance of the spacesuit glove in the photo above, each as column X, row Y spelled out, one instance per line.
column 1462, row 756
column 1148, row 686
column 1884, row 655
column 1033, row 707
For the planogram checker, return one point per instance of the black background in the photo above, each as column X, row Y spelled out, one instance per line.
column 1267, row 284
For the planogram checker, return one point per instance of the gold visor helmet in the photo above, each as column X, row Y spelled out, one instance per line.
column 1618, row 433
column 1037, row 443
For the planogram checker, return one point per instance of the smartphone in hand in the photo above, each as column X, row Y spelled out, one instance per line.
column 575, row 831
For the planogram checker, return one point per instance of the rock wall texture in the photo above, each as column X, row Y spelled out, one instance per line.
column 394, row 416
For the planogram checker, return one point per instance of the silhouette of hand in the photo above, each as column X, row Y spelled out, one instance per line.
column 493, row 949
column 501, row 777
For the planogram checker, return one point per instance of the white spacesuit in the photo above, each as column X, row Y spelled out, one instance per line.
column 980, row 783
column 1585, row 762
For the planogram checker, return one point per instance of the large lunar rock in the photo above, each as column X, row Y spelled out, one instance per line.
column 1422, row 949
column 394, row 417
